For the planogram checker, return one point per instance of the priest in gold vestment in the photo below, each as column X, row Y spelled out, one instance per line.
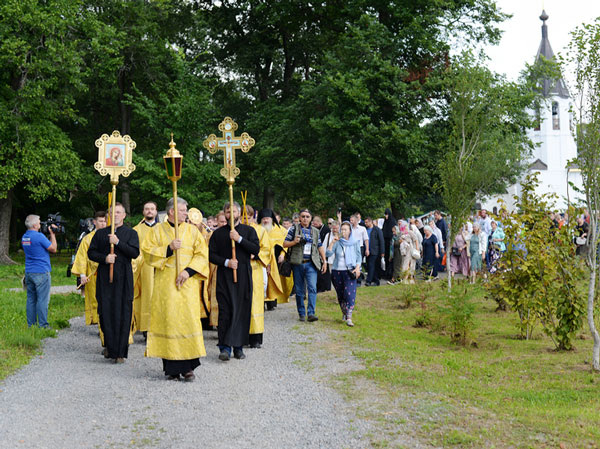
column 211, row 284
column 260, row 266
column 86, row 270
column 175, row 331
column 278, row 290
column 143, row 273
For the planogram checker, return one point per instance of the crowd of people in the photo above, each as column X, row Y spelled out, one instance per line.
column 223, row 272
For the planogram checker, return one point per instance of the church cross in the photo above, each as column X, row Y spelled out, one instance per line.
column 228, row 144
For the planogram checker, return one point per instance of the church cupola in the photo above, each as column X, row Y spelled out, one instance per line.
column 550, row 87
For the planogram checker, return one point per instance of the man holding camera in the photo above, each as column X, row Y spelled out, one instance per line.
column 37, row 270
column 307, row 257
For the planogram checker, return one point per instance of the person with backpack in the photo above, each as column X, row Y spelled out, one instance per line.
column 307, row 257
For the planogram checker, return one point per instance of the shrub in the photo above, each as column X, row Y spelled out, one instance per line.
column 459, row 314
column 539, row 272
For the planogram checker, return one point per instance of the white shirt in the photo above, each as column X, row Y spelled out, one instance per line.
column 438, row 234
column 360, row 234
column 326, row 242
column 414, row 229
column 486, row 225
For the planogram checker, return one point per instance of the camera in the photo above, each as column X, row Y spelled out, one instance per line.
column 302, row 241
column 54, row 220
column 86, row 225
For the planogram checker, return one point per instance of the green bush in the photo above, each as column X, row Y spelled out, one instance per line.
column 539, row 275
column 459, row 314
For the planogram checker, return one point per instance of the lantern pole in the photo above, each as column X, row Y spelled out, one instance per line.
column 173, row 162
column 176, row 216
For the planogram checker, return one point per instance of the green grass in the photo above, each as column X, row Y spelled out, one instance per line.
column 18, row 343
column 498, row 392
column 11, row 275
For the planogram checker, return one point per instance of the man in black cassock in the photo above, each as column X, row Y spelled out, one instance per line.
column 234, row 299
column 115, row 300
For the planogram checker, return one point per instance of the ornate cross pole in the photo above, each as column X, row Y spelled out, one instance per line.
column 114, row 158
column 229, row 143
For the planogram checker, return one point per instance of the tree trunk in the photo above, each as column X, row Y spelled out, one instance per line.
column 125, row 111
column 268, row 198
column 448, row 240
column 395, row 209
column 125, row 198
column 590, row 317
column 5, row 214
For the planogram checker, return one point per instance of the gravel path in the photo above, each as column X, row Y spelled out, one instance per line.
column 56, row 290
column 72, row 397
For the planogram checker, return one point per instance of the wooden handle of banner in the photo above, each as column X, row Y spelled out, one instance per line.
column 112, row 228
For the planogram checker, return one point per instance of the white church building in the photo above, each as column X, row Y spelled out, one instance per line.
column 555, row 145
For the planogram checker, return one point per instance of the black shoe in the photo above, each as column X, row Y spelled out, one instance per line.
column 302, row 318
column 189, row 376
column 105, row 353
column 224, row 356
column 171, row 377
column 256, row 346
column 239, row 354
column 312, row 318
column 368, row 284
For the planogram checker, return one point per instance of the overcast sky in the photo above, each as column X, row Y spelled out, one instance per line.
column 523, row 32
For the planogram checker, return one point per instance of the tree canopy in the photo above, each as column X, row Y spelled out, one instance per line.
column 341, row 97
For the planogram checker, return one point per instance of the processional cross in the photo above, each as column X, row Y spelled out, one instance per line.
column 228, row 144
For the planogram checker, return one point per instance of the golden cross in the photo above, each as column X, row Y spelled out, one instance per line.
column 229, row 143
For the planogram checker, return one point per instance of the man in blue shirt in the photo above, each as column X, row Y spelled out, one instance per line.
column 37, row 270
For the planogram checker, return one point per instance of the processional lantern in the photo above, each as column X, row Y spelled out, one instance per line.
column 173, row 164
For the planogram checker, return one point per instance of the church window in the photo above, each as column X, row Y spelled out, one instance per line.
column 555, row 116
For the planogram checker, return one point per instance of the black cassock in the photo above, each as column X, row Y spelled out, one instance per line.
column 115, row 300
column 235, row 299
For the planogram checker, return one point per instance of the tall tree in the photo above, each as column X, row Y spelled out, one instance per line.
column 487, row 146
column 42, row 70
column 148, row 83
column 584, row 59
column 297, row 61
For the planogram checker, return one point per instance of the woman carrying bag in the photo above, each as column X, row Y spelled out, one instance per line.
column 345, row 269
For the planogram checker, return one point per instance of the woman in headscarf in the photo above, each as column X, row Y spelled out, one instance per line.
column 431, row 252
column 388, row 234
column 396, row 260
column 459, row 258
column 477, row 250
column 345, row 269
